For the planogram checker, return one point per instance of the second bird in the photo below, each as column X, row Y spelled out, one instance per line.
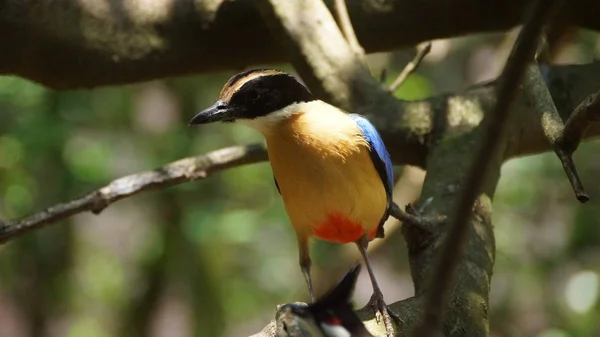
column 332, row 169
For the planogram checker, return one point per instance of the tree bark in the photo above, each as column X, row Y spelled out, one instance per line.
column 71, row 44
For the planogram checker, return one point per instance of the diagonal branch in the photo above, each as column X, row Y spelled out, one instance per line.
column 552, row 124
column 422, row 51
column 454, row 245
column 346, row 27
column 579, row 122
column 183, row 170
column 323, row 58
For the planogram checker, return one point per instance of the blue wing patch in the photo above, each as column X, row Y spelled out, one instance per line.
column 382, row 161
column 379, row 154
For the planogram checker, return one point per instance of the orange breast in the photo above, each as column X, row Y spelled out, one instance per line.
column 340, row 229
column 329, row 185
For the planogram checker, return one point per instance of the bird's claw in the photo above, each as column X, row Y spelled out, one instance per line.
column 384, row 313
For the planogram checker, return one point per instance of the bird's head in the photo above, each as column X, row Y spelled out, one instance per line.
column 255, row 96
column 330, row 316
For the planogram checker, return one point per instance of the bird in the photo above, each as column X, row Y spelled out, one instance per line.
column 330, row 316
column 331, row 167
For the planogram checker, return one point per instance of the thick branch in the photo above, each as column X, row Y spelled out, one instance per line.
column 89, row 43
column 346, row 26
column 183, row 170
column 323, row 58
column 496, row 123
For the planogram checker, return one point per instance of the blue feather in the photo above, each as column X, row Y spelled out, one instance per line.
column 379, row 154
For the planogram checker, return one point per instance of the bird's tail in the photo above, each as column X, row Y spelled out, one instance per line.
column 331, row 315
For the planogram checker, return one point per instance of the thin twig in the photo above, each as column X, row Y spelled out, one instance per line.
column 586, row 112
column 411, row 66
column 183, row 170
column 552, row 125
column 454, row 245
column 347, row 29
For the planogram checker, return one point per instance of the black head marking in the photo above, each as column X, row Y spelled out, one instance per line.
column 336, row 304
column 257, row 93
column 253, row 94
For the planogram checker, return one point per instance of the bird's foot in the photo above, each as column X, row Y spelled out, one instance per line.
column 384, row 313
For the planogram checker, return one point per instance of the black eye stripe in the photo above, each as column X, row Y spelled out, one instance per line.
column 265, row 94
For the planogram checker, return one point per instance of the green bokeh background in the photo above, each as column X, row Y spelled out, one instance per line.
column 214, row 257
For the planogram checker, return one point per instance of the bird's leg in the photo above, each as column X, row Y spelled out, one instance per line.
column 305, row 264
column 382, row 312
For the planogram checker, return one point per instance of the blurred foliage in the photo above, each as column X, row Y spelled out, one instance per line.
column 213, row 258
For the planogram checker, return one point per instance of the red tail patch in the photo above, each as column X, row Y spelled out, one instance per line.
column 340, row 229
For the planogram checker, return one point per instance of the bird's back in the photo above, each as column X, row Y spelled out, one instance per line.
column 326, row 176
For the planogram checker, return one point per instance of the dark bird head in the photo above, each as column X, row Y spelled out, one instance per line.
column 253, row 94
column 330, row 316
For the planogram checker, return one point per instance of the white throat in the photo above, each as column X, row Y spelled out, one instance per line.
column 266, row 123
column 335, row 330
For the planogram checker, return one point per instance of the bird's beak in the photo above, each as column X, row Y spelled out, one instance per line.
column 217, row 112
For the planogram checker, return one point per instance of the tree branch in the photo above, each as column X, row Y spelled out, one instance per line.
column 422, row 51
column 553, row 126
column 346, row 26
column 82, row 43
column 579, row 122
column 322, row 57
column 495, row 131
column 183, row 170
